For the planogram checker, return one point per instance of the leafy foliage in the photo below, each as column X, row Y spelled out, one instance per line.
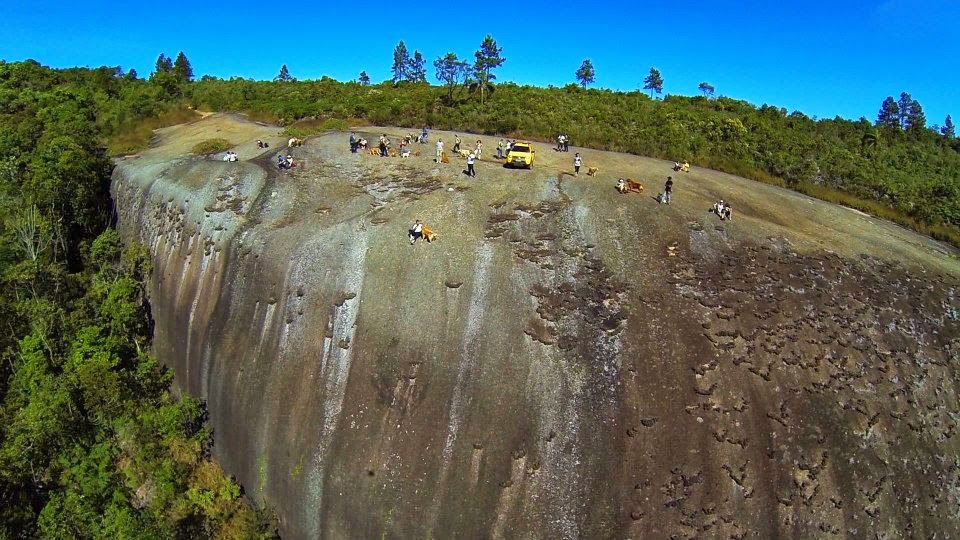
column 706, row 89
column 401, row 63
column 416, row 71
column 211, row 146
column 487, row 59
column 585, row 73
column 92, row 444
column 182, row 69
column 653, row 82
column 284, row 75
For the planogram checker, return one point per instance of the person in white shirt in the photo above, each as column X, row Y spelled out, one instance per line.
column 439, row 150
column 479, row 148
column 577, row 161
column 416, row 232
column 470, row 170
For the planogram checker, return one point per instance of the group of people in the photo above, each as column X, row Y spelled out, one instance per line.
column 503, row 147
column 563, row 143
column 677, row 166
column 357, row 143
column 230, row 155
column 722, row 209
column 284, row 162
column 262, row 144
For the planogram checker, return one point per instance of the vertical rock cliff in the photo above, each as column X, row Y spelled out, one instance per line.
column 563, row 361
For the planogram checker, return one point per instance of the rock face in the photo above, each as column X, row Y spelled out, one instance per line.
column 563, row 361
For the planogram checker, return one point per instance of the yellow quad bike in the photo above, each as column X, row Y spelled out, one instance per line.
column 521, row 155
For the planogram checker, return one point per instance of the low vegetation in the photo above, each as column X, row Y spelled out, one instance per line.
column 211, row 146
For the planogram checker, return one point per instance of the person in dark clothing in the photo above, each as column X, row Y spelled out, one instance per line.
column 668, row 190
column 353, row 143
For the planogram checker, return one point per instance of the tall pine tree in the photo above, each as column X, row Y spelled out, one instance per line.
column 889, row 115
column 363, row 79
column 585, row 73
column 182, row 68
column 487, row 59
column 653, row 82
column 401, row 62
column 284, row 75
column 903, row 105
column 164, row 64
column 916, row 121
column 947, row 130
column 415, row 71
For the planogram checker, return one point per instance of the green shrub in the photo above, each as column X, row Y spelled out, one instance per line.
column 211, row 146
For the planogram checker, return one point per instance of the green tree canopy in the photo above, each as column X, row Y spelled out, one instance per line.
column 415, row 71
column 163, row 65
column 889, row 115
column 401, row 63
column 706, row 89
column 182, row 68
column 364, row 79
column 585, row 73
column 487, row 59
column 451, row 71
column 653, row 82
column 284, row 75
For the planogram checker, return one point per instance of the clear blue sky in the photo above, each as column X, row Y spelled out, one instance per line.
column 822, row 57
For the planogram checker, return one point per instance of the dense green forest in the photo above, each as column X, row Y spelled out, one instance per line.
column 92, row 443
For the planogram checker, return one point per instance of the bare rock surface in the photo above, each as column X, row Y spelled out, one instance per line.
column 563, row 361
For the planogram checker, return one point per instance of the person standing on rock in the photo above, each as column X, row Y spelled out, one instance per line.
column 668, row 190
column 439, row 151
column 577, row 162
column 383, row 145
column 470, row 170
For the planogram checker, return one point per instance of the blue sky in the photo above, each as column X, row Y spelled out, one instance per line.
column 824, row 58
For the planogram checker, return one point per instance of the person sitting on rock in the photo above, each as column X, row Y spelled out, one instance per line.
column 416, row 233
column 259, row 143
column 281, row 162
